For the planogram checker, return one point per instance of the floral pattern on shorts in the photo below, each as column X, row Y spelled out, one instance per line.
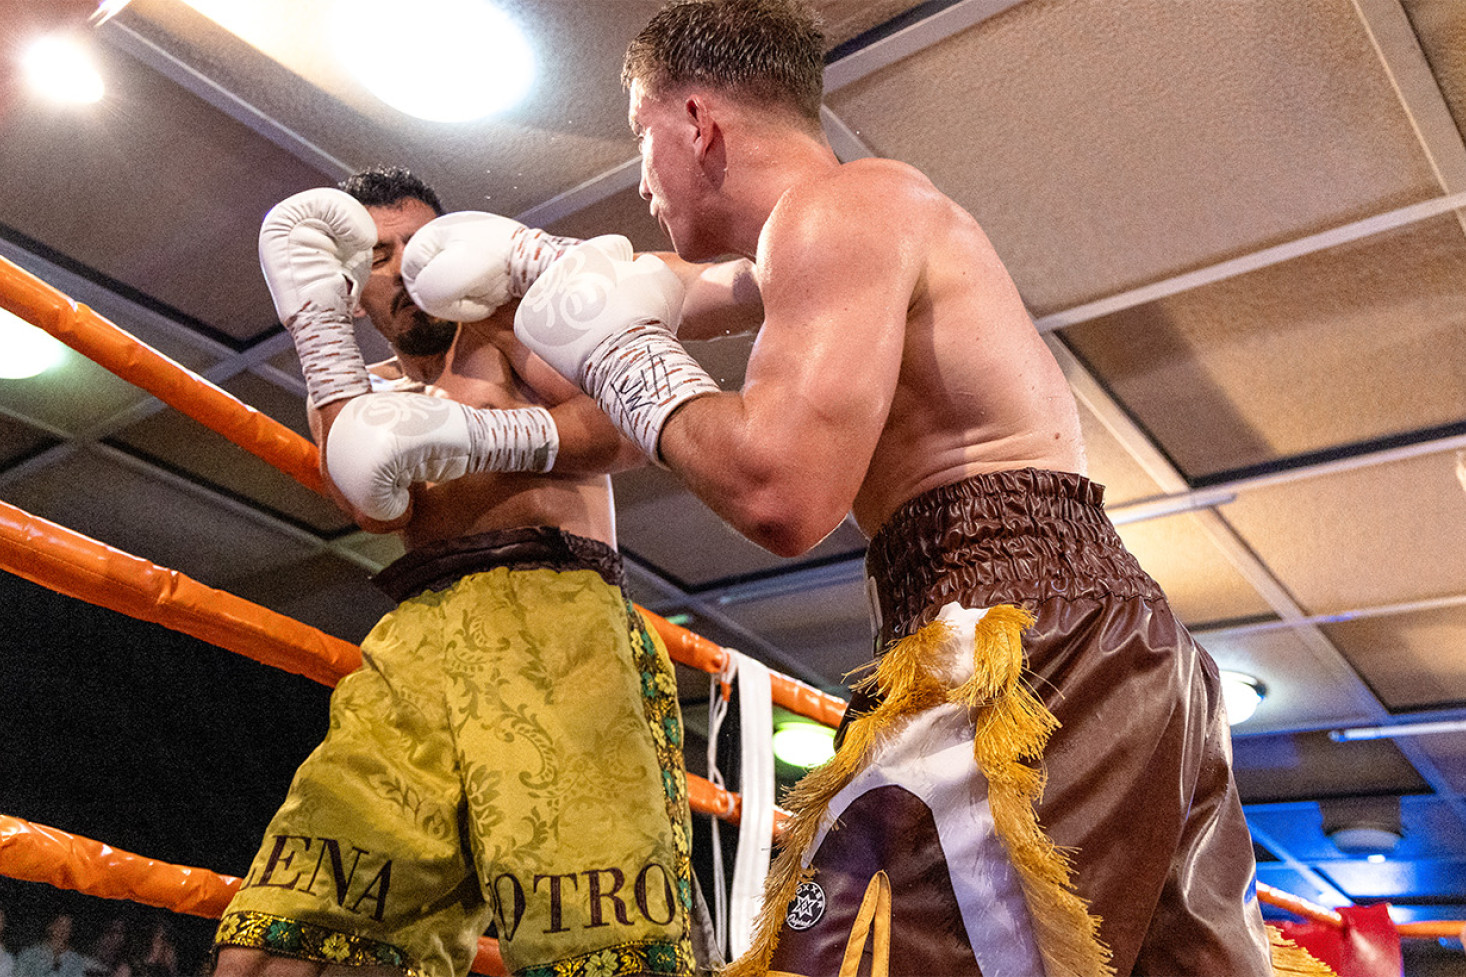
column 306, row 941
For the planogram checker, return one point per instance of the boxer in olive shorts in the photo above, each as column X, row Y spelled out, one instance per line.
column 509, row 750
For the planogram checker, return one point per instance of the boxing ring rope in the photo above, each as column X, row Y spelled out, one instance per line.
column 75, row 565
column 100, row 340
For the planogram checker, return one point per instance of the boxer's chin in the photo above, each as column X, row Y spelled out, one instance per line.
column 427, row 336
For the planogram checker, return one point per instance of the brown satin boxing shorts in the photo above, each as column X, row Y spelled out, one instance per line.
column 509, row 750
column 1139, row 786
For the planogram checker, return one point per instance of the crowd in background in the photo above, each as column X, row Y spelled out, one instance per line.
column 117, row 945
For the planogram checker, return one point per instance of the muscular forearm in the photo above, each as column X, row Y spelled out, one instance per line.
column 589, row 443
column 758, row 473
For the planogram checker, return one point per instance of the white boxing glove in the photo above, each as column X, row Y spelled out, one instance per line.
column 609, row 324
column 463, row 266
column 316, row 253
column 383, row 443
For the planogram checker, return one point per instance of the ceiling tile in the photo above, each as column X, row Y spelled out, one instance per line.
column 150, row 518
column 1441, row 25
column 19, row 441
column 1412, row 661
column 182, row 186
column 1361, row 538
column 323, row 591
column 1448, row 752
column 1444, row 879
column 570, row 127
column 1357, row 343
column 50, row 399
column 1431, row 830
column 1310, row 765
column 842, row 20
column 182, row 444
column 178, row 340
column 1200, row 582
column 620, row 213
column 1137, row 140
column 382, row 548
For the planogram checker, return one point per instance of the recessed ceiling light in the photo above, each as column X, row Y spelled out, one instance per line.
column 1365, row 840
column 440, row 60
column 804, row 745
column 1243, row 694
column 61, row 68
column 28, row 351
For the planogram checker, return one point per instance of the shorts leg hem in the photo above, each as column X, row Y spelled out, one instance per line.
column 652, row 957
column 286, row 937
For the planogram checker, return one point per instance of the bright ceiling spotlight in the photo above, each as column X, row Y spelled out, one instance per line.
column 28, row 351
column 440, row 60
column 803, row 745
column 60, row 68
column 1243, row 694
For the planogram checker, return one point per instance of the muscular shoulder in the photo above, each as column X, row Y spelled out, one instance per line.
column 864, row 187
column 880, row 201
column 869, row 213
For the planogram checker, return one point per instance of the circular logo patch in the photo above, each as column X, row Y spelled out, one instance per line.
column 807, row 908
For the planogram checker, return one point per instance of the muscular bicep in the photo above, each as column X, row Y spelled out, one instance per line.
column 784, row 459
column 825, row 365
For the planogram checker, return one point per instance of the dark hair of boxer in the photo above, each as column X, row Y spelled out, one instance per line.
column 388, row 186
column 760, row 51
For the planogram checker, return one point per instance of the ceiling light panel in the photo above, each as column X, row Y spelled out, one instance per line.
column 1412, row 661
column 1105, row 145
column 1359, row 342
column 1347, row 541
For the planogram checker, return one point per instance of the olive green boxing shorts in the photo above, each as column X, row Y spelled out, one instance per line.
column 509, row 751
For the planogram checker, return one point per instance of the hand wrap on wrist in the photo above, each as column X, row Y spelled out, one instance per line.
column 640, row 377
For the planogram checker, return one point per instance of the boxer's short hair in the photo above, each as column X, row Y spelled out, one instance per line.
column 388, row 186
column 757, row 50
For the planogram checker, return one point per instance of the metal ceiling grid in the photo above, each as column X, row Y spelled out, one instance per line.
column 1205, row 216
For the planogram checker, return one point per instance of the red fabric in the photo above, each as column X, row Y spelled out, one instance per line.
column 1367, row 945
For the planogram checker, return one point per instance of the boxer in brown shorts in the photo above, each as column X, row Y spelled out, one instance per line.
column 897, row 377
column 1139, row 787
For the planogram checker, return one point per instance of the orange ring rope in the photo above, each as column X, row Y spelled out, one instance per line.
column 80, row 567
column 95, row 337
column 1298, row 906
column 98, row 339
column 36, row 853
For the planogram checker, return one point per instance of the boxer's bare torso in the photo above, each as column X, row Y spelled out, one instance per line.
column 485, row 367
column 978, row 390
column 480, row 372
column 896, row 356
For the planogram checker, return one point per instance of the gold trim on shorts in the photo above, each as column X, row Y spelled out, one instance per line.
column 659, row 702
column 306, row 941
column 654, row 957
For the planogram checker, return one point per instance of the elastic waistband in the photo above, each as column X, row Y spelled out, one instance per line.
column 1004, row 537
column 439, row 565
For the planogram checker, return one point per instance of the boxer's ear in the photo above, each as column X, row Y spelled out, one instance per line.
column 707, row 137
